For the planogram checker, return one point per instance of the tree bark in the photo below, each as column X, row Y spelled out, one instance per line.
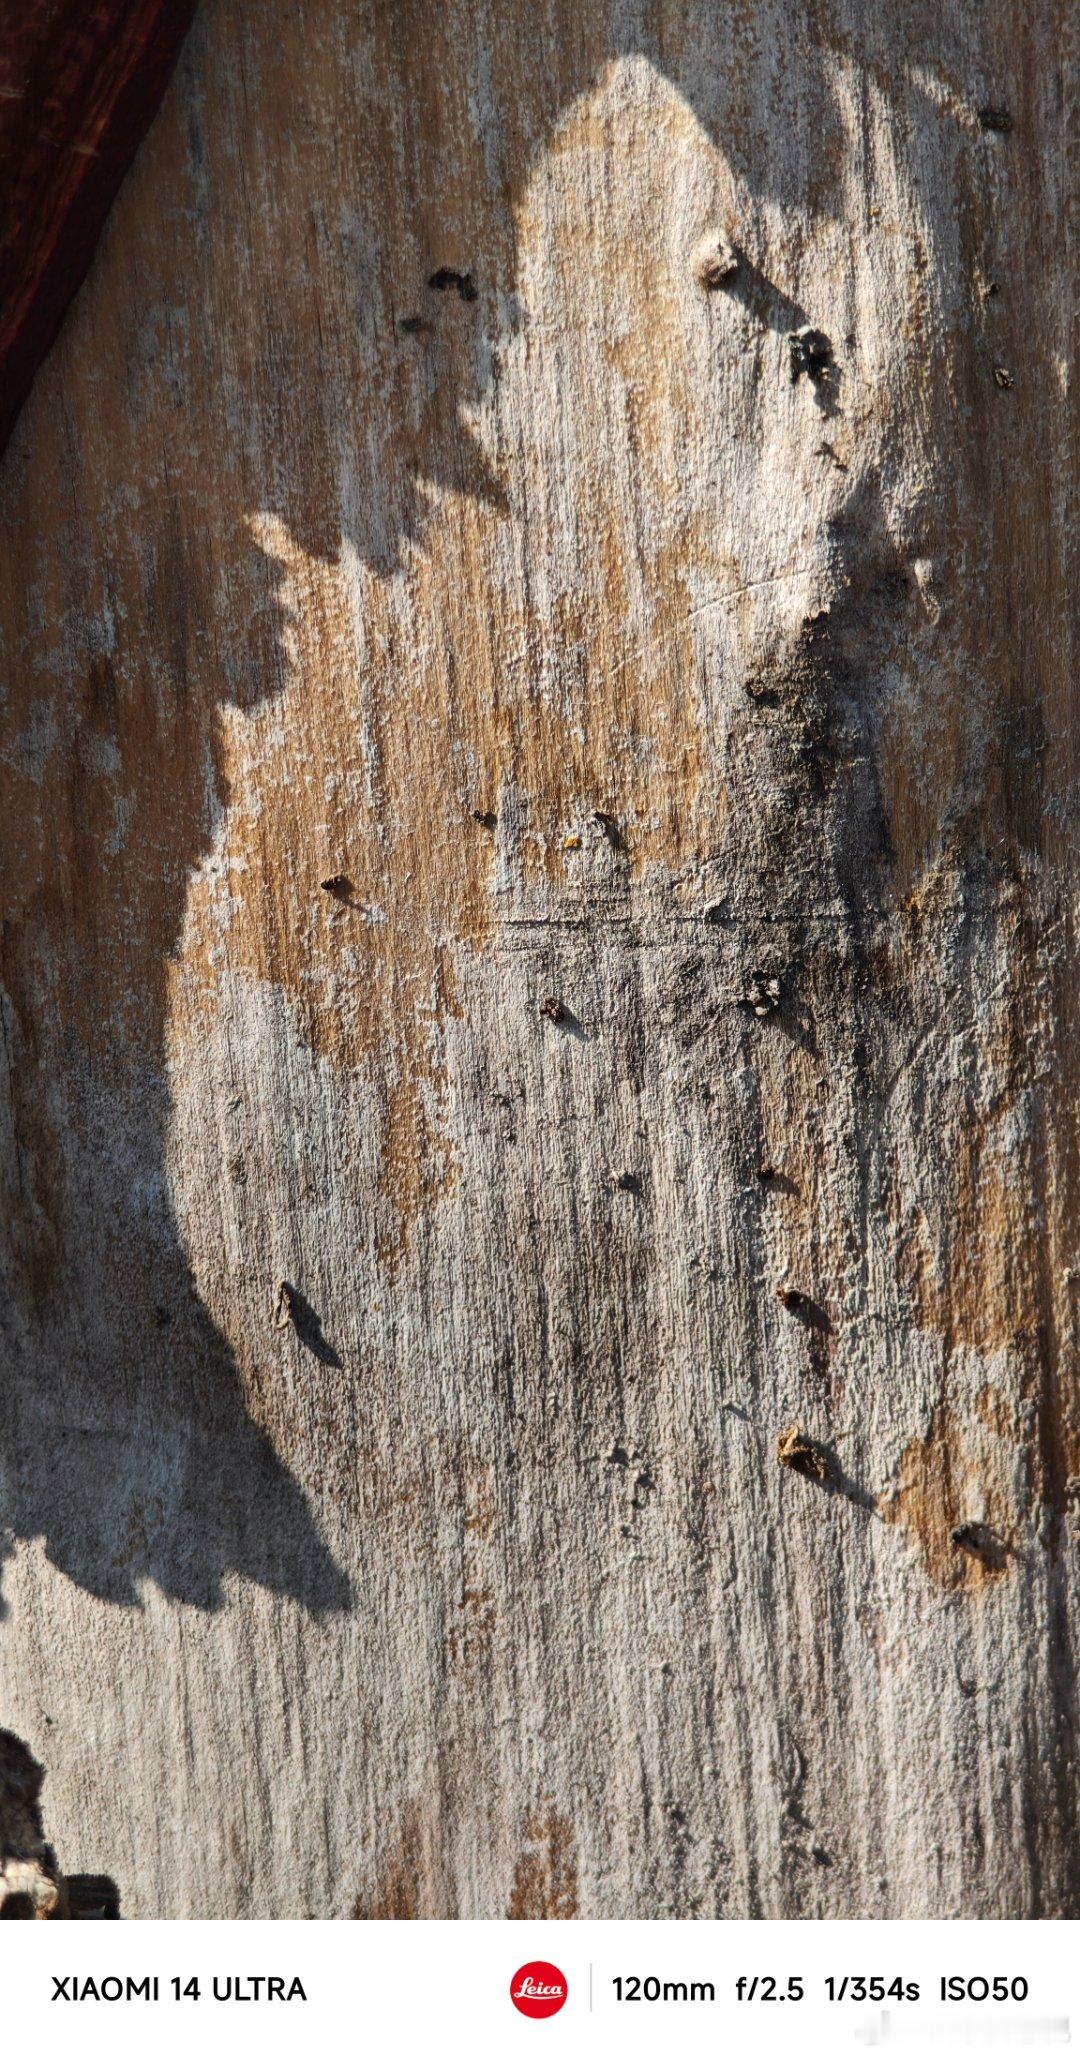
column 539, row 975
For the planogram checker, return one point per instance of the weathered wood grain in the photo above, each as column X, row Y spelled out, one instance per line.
column 541, row 816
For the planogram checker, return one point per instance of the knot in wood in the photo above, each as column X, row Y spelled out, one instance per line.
column 715, row 262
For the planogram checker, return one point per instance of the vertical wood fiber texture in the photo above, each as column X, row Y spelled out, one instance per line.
column 684, row 1051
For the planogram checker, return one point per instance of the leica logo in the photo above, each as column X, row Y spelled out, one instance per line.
column 538, row 1990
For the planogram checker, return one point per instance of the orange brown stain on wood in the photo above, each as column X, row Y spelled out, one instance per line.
column 1001, row 1458
column 545, row 1876
column 379, row 975
column 941, row 1477
column 997, row 1412
column 565, row 687
column 411, row 1885
column 985, row 1272
column 972, row 1284
column 471, row 1635
column 474, row 1619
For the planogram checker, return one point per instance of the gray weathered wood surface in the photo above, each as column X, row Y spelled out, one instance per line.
column 612, row 662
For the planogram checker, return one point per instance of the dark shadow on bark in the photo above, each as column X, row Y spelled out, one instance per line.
column 764, row 301
column 308, row 1327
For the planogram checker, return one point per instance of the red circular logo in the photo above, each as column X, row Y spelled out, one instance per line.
column 538, row 1990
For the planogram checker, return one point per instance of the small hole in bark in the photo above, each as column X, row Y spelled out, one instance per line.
column 338, row 887
column 778, row 1180
column 997, row 120
column 804, row 1308
column 484, row 818
column 811, row 354
column 796, row 1451
column 762, row 995
column 715, row 262
column 295, row 1310
column 609, row 827
column 554, row 1010
column 446, row 280
column 980, row 1542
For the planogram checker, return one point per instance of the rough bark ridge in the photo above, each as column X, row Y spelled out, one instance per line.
column 538, row 962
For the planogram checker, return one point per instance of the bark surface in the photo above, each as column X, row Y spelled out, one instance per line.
column 539, row 975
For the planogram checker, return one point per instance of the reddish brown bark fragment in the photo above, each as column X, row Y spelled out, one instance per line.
column 79, row 87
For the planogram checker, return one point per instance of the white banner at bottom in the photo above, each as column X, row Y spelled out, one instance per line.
column 580, row 1984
